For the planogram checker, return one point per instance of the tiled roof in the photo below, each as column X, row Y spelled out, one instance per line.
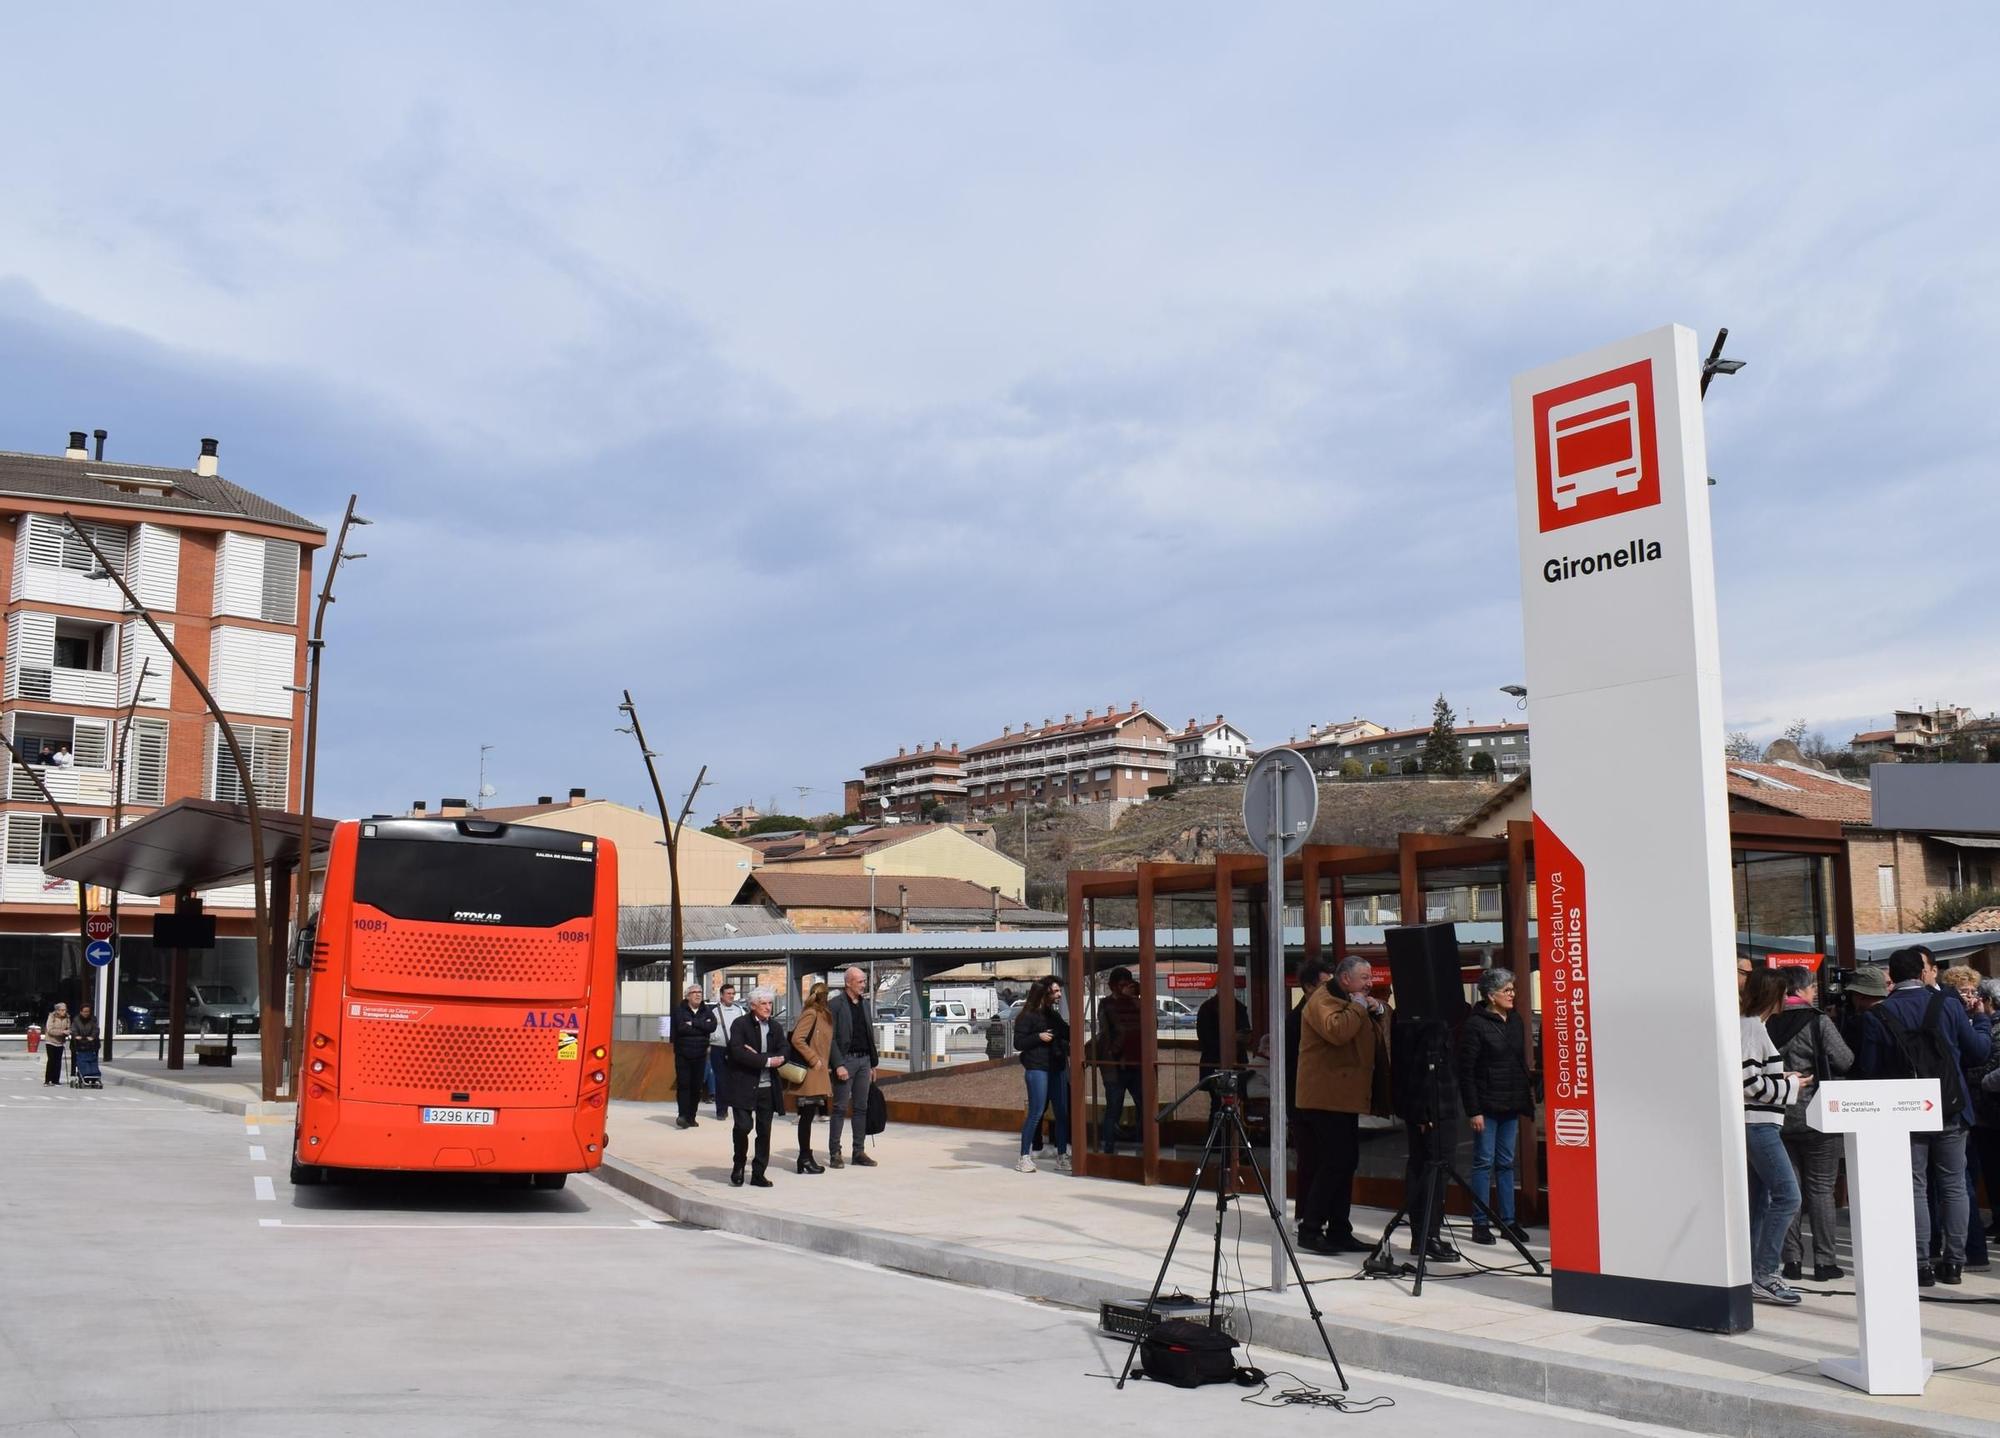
column 849, row 846
column 1801, row 792
column 1460, row 730
column 1096, row 724
column 1980, row 921
column 44, row 476
column 1874, row 736
column 921, row 756
column 790, row 890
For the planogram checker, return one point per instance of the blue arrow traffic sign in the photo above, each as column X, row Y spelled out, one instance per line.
column 97, row 952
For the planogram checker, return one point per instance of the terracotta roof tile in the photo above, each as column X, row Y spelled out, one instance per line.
column 790, row 890
column 1980, row 921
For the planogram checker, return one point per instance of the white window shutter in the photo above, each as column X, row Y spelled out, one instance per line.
column 24, row 840
column 280, row 593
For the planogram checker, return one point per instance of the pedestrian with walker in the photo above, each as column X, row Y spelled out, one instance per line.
column 55, row 1035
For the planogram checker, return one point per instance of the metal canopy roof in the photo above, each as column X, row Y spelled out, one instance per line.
column 190, row 844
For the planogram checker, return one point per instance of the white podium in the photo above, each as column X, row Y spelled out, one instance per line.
column 1878, row 1118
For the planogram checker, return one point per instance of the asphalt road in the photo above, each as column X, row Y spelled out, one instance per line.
column 162, row 1278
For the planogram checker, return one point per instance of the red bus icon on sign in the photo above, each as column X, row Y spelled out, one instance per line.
column 1596, row 447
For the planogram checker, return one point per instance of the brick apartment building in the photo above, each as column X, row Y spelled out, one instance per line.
column 1119, row 754
column 227, row 574
column 911, row 785
column 1370, row 743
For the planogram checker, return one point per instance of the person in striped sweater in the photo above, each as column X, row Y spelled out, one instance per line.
column 1767, row 1089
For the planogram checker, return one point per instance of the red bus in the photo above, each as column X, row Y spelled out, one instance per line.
column 464, row 975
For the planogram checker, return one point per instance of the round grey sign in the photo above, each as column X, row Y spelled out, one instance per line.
column 1280, row 802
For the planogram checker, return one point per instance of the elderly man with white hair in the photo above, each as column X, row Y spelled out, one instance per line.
column 757, row 1046
column 854, row 1058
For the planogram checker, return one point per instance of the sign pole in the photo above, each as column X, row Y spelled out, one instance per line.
column 1280, row 805
column 1274, row 868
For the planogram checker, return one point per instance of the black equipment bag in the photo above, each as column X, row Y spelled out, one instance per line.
column 878, row 1112
column 1187, row 1354
column 1925, row 1054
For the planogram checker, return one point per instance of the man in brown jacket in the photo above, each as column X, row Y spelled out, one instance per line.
column 1343, row 1073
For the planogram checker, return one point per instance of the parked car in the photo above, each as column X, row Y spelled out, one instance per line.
column 141, row 1008
column 210, row 1007
column 1172, row 1013
column 890, row 1013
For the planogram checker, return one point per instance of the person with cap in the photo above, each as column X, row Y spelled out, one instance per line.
column 1117, row 1044
column 692, row 1023
column 1867, row 985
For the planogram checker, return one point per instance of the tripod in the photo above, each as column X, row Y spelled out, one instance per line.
column 1428, row 1202
column 1225, row 1132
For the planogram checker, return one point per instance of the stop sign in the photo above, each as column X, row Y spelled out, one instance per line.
column 98, row 926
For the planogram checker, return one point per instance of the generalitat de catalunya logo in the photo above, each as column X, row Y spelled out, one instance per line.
column 1597, row 449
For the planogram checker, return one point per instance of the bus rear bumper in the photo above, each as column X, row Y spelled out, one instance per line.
column 393, row 1136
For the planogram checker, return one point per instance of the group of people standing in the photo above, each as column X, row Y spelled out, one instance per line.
column 61, row 1034
column 1344, row 1065
column 1910, row 1021
column 826, row 1063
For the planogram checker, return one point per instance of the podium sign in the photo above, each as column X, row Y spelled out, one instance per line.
column 1878, row 1118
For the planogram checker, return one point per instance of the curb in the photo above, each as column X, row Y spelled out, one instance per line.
column 1621, row 1390
column 190, row 1094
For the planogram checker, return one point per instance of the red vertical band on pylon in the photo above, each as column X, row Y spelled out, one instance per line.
column 1569, row 1087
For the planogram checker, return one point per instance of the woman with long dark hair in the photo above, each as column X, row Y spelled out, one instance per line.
column 1767, row 1089
column 1041, row 1034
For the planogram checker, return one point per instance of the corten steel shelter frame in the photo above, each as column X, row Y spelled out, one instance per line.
column 195, row 844
column 1321, row 873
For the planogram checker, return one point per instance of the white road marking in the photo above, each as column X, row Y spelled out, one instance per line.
column 264, row 1189
column 256, row 1153
column 252, row 1130
column 476, row 1227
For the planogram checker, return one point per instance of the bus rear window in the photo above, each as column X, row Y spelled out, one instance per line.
column 474, row 883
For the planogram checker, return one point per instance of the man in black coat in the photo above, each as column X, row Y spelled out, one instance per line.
column 757, row 1046
column 692, row 1023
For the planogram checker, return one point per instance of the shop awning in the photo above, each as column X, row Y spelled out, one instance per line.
column 191, row 844
column 1968, row 841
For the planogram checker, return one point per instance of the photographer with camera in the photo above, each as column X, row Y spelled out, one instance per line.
column 1343, row 1071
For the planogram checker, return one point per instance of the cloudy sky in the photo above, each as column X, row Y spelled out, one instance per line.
column 841, row 377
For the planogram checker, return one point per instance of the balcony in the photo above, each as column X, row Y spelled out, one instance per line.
column 69, row 785
column 97, row 687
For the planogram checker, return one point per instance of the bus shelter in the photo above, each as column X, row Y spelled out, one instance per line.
column 1201, row 931
column 194, row 845
column 925, row 956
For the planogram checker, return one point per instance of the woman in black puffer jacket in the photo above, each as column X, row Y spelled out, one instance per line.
column 1042, row 1035
column 1493, row 1083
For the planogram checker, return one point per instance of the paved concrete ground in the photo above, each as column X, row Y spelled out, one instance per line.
column 163, row 1278
column 946, row 1201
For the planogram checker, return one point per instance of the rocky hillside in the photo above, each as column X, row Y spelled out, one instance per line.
column 1195, row 825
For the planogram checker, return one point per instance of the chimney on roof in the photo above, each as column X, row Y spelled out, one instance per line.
column 206, row 465
column 1087, row 715
column 100, row 436
column 417, row 806
column 1135, row 706
column 1069, row 718
column 451, row 808
column 954, row 746
column 1218, row 718
column 575, row 796
column 76, row 449
column 899, row 751
column 545, row 798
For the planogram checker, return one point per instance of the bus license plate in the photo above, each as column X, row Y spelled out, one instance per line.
column 458, row 1115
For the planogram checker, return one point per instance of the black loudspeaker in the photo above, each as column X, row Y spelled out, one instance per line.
column 1424, row 972
column 183, row 931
